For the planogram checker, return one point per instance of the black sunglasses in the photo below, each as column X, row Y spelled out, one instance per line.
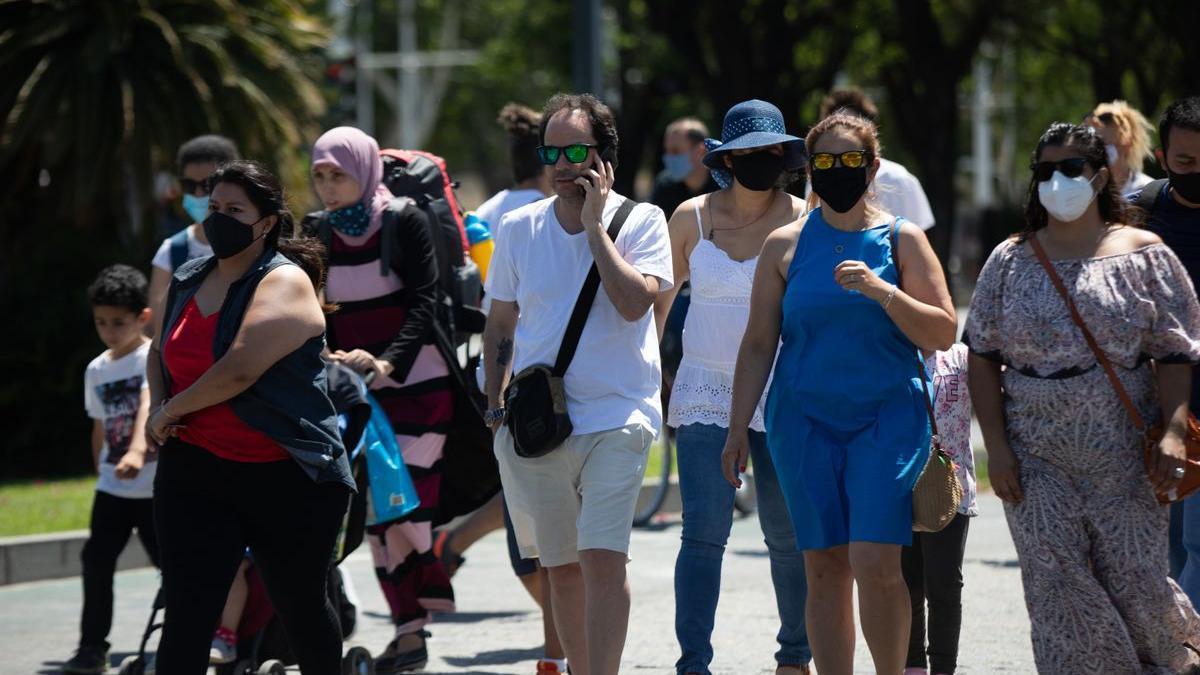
column 190, row 186
column 1071, row 168
column 576, row 153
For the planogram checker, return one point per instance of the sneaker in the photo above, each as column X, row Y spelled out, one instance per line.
column 551, row 667
column 915, row 671
column 88, row 661
column 224, row 647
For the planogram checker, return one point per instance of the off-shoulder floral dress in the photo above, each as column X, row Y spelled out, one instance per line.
column 1091, row 539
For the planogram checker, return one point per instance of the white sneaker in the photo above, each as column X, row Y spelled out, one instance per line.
column 222, row 651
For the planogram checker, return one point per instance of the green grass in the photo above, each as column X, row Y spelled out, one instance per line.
column 38, row 506
column 982, row 482
column 654, row 462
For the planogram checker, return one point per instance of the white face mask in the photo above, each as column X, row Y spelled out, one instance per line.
column 1066, row 198
column 1113, row 154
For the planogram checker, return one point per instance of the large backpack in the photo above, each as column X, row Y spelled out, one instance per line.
column 423, row 178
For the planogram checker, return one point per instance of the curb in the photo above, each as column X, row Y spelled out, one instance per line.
column 39, row 557
column 54, row 556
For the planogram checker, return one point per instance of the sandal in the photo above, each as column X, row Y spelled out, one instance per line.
column 450, row 559
column 391, row 661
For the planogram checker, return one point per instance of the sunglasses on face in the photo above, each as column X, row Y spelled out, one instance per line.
column 190, row 186
column 854, row 159
column 576, row 153
column 1071, row 168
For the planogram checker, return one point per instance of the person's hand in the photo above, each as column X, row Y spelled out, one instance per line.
column 1172, row 455
column 734, row 456
column 161, row 426
column 855, row 275
column 131, row 463
column 596, row 183
column 363, row 362
column 1004, row 472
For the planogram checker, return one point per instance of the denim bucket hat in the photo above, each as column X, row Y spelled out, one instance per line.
column 751, row 124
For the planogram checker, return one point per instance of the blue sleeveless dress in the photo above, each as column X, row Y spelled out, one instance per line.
column 846, row 420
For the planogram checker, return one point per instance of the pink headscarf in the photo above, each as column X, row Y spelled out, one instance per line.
column 356, row 153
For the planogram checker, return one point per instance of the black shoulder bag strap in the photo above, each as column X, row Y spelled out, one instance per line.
column 583, row 306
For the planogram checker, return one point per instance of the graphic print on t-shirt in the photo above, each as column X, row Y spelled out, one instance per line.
column 120, row 399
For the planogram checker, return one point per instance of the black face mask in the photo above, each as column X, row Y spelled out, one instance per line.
column 757, row 171
column 1187, row 185
column 840, row 187
column 229, row 236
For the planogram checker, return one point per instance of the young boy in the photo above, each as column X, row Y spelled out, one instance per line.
column 118, row 401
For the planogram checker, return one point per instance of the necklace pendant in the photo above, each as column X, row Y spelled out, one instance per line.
column 839, row 248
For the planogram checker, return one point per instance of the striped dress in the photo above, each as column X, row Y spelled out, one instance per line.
column 380, row 314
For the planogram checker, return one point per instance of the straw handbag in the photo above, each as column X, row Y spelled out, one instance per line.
column 937, row 494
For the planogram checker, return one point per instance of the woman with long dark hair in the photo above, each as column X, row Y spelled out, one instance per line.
column 1063, row 453
column 250, row 454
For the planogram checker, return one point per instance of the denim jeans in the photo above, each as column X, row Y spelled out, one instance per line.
column 707, row 518
column 1189, row 529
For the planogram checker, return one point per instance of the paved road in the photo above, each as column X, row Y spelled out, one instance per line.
column 498, row 632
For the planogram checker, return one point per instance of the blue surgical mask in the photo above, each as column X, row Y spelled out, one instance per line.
column 196, row 207
column 678, row 166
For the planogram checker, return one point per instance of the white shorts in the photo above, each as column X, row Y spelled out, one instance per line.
column 582, row 495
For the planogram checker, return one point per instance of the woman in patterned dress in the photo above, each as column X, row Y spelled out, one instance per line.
column 386, row 323
column 1062, row 452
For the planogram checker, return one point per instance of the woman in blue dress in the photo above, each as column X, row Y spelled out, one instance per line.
column 846, row 420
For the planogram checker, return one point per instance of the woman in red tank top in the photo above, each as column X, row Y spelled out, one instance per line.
column 241, row 340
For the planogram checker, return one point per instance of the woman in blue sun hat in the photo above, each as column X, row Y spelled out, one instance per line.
column 715, row 241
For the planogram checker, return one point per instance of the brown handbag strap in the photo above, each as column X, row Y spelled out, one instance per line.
column 1101, row 357
column 921, row 371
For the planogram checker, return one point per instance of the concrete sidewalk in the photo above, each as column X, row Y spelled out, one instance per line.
column 497, row 630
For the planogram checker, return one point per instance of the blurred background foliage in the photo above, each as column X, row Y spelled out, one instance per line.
column 95, row 97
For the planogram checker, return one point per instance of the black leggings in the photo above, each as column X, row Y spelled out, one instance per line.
column 206, row 511
column 113, row 520
column 933, row 571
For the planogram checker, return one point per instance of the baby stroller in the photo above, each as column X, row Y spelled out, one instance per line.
column 263, row 648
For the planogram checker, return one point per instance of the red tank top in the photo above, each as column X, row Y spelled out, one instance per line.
column 188, row 352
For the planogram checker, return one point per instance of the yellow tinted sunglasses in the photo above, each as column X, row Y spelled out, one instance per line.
column 853, row 159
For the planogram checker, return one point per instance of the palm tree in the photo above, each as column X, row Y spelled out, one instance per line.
column 96, row 94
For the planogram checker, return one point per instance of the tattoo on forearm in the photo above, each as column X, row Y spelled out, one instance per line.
column 504, row 352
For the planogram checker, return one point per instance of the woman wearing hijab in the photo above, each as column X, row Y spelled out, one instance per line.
column 387, row 324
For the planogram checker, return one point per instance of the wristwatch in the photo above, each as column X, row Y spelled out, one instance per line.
column 494, row 415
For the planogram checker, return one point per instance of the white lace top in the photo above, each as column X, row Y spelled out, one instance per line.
column 712, row 334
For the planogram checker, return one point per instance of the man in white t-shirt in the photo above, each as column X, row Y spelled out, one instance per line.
column 198, row 159
column 573, row 507
column 897, row 191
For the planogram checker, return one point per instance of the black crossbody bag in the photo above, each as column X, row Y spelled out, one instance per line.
column 536, row 399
